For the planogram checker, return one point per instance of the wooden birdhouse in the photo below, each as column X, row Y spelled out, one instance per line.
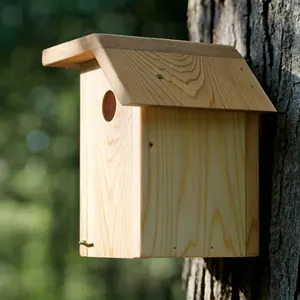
column 168, row 147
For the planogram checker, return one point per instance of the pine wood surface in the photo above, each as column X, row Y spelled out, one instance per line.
column 72, row 53
column 193, row 183
column 142, row 78
column 109, row 207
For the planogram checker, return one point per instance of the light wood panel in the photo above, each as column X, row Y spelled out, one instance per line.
column 83, row 226
column 110, row 206
column 193, row 183
column 252, row 184
column 72, row 53
column 142, row 78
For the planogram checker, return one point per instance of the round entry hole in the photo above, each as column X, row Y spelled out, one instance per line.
column 109, row 105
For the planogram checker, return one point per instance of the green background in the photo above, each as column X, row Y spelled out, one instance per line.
column 39, row 153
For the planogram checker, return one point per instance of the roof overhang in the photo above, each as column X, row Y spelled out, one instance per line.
column 161, row 72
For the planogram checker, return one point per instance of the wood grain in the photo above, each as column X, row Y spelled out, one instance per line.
column 193, row 183
column 142, row 78
column 108, row 176
column 252, row 184
column 72, row 53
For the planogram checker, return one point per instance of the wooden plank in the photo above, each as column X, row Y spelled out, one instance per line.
column 142, row 78
column 72, row 53
column 83, row 232
column 193, row 183
column 252, row 184
column 110, row 206
column 136, row 180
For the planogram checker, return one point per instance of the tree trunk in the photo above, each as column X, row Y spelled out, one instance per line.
column 267, row 34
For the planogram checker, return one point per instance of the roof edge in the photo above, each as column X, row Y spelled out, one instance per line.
column 71, row 54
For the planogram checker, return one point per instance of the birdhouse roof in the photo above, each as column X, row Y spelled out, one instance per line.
column 161, row 72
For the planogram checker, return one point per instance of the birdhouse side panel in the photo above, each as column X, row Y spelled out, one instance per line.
column 252, row 184
column 109, row 204
column 193, row 183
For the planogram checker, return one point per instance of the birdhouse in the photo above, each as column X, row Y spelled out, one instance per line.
column 169, row 134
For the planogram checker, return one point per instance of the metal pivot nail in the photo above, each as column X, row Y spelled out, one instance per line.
column 85, row 243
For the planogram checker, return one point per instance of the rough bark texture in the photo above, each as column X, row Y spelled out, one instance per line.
column 267, row 34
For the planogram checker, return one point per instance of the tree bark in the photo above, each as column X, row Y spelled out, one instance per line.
column 267, row 34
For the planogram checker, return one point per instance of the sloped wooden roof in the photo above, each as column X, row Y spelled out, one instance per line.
column 160, row 72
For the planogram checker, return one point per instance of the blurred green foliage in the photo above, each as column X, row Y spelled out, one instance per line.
column 39, row 153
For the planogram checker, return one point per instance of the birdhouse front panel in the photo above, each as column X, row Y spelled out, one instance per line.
column 168, row 147
column 109, row 170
